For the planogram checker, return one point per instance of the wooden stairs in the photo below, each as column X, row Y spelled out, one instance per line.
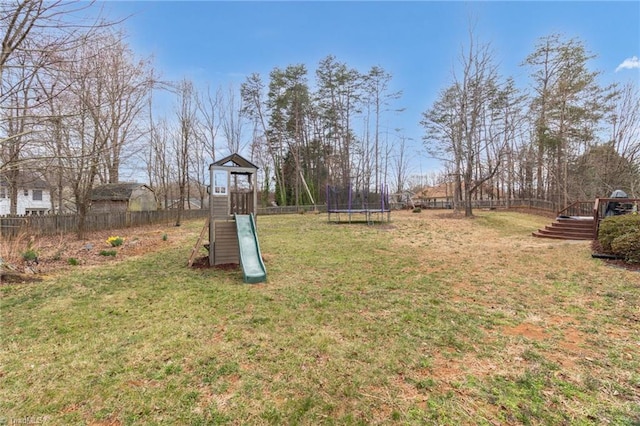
column 568, row 228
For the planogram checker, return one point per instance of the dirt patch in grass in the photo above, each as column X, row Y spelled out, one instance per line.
column 617, row 263
column 528, row 331
column 14, row 277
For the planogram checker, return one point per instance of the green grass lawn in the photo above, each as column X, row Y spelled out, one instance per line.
column 428, row 320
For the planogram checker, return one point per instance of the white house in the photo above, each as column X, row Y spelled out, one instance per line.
column 34, row 197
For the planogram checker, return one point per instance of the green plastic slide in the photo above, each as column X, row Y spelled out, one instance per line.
column 253, row 268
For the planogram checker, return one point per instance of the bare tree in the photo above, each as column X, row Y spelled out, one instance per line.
column 17, row 121
column 260, row 157
column 34, row 33
column 232, row 121
column 127, row 84
column 254, row 108
column 105, row 97
column 376, row 86
column 401, row 163
column 186, row 115
column 88, row 139
column 158, row 164
column 209, row 106
column 199, row 163
column 614, row 163
column 57, row 109
column 458, row 125
column 625, row 124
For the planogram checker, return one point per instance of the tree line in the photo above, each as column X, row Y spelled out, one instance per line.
column 566, row 138
column 331, row 134
column 76, row 101
column 72, row 93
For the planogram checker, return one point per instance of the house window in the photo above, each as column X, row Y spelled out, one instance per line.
column 37, row 195
column 35, row 212
column 3, row 193
column 26, row 192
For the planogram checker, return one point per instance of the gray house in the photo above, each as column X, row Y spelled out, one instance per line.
column 123, row 197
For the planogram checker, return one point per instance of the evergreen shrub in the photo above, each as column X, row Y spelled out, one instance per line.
column 620, row 235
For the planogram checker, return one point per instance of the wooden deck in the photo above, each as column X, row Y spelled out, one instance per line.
column 581, row 220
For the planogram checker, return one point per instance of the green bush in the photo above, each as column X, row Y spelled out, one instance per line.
column 620, row 235
column 108, row 253
column 628, row 246
column 30, row 255
column 615, row 226
column 417, row 210
column 73, row 261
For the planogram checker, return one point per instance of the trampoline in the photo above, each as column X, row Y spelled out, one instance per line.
column 347, row 205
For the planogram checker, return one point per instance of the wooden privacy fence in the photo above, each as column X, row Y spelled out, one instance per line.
column 493, row 204
column 547, row 206
column 12, row 226
column 65, row 224
column 266, row 211
column 515, row 204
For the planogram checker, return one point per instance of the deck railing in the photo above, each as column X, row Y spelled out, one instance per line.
column 577, row 208
column 616, row 206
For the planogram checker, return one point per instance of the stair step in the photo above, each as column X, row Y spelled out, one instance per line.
column 570, row 226
column 560, row 236
column 574, row 224
column 565, row 232
column 567, row 229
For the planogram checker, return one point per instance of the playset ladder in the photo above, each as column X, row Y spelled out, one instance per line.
column 192, row 258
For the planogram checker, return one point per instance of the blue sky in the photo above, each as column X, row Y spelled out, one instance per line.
column 417, row 42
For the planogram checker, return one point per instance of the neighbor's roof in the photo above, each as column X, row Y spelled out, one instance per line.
column 443, row 190
column 116, row 191
column 26, row 180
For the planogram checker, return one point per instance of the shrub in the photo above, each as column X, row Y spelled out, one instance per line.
column 620, row 235
column 115, row 241
column 73, row 261
column 616, row 226
column 108, row 253
column 417, row 210
column 30, row 255
column 164, row 237
column 627, row 246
